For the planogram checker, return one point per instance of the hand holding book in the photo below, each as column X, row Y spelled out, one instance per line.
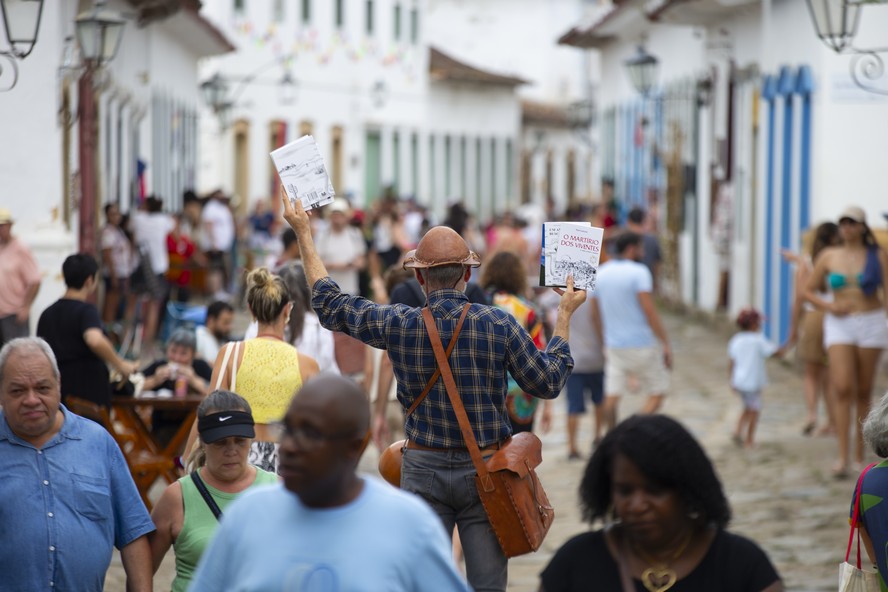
column 570, row 249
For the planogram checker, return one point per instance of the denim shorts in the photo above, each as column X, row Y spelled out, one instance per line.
column 577, row 385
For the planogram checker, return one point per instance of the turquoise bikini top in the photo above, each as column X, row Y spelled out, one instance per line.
column 837, row 281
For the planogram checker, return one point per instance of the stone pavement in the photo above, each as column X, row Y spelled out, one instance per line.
column 781, row 493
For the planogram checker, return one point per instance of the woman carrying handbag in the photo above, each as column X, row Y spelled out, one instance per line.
column 871, row 517
column 852, row 578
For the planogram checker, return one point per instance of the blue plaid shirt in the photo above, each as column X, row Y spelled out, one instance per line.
column 491, row 343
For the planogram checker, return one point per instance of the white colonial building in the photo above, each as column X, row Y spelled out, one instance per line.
column 145, row 121
column 428, row 97
column 753, row 132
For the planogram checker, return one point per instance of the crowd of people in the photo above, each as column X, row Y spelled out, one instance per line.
column 342, row 293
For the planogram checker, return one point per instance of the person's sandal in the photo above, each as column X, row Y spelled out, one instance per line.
column 809, row 428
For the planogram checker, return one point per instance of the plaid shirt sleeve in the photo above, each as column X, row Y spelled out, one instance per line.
column 539, row 373
column 355, row 316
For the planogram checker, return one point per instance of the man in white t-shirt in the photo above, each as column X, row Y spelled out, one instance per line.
column 342, row 248
column 216, row 241
column 630, row 327
column 150, row 230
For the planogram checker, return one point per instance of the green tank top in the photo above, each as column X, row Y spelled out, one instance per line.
column 199, row 524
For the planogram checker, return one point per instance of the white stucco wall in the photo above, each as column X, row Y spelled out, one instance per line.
column 849, row 140
column 31, row 158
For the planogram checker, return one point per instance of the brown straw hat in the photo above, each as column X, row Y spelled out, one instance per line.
column 441, row 246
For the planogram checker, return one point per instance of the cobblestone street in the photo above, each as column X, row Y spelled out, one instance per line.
column 781, row 493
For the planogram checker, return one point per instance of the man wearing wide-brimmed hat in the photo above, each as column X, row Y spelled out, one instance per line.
column 20, row 281
column 490, row 345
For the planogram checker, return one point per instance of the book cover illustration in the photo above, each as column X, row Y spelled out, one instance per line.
column 303, row 173
column 570, row 248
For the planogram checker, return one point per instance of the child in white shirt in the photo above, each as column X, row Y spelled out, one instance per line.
column 748, row 350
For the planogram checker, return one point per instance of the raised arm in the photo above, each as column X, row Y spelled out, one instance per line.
column 299, row 221
column 571, row 300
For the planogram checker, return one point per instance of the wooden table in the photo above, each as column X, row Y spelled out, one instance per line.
column 127, row 412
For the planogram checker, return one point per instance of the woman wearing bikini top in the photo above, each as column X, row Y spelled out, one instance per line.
column 855, row 329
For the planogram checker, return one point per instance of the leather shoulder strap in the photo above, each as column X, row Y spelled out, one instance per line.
column 437, row 373
column 455, row 400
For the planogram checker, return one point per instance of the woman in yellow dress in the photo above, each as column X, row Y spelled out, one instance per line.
column 266, row 370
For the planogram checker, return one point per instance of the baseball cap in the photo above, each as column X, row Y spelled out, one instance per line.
column 5, row 216
column 853, row 213
column 216, row 426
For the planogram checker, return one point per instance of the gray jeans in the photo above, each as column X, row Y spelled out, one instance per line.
column 10, row 328
column 446, row 481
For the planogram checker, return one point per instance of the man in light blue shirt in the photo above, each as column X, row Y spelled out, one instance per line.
column 326, row 528
column 635, row 341
column 66, row 496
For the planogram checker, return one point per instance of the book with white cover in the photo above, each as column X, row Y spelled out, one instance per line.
column 303, row 173
column 570, row 248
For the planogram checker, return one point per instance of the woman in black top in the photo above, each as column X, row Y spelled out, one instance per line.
column 667, row 514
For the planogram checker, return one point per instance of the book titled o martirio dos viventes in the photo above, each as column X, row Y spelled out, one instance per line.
column 570, row 248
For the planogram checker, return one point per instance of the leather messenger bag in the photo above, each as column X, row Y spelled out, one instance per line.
column 513, row 497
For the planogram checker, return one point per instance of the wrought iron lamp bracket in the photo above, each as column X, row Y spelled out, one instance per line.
column 11, row 71
column 868, row 66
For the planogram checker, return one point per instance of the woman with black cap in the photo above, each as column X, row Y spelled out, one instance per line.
column 187, row 514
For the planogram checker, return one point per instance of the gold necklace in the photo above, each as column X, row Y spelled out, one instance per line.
column 659, row 576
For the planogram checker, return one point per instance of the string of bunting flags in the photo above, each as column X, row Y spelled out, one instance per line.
column 309, row 43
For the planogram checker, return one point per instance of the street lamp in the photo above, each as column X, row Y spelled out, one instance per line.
column 98, row 35
column 215, row 91
column 289, row 88
column 379, row 93
column 642, row 69
column 99, row 32
column 580, row 116
column 835, row 22
column 21, row 22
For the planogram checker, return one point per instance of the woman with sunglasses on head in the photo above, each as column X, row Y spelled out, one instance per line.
column 665, row 519
column 183, row 517
column 855, row 330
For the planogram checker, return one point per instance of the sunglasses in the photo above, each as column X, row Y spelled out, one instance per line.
column 848, row 221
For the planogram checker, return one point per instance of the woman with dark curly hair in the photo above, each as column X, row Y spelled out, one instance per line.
column 665, row 515
column 505, row 282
